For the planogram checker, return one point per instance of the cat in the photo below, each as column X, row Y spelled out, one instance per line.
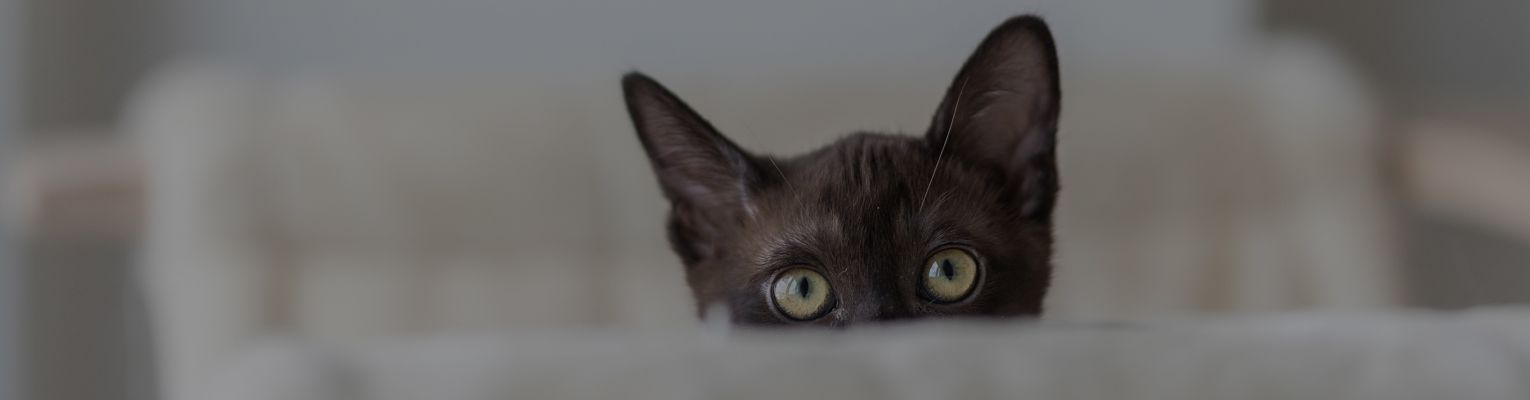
column 874, row 227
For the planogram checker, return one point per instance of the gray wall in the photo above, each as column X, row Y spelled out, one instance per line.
column 9, row 268
column 10, row 271
column 81, row 58
column 573, row 39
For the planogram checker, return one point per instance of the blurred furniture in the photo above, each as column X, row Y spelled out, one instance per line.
column 343, row 212
column 326, row 212
column 1471, row 175
column 71, row 209
column 1464, row 175
column 80, row 184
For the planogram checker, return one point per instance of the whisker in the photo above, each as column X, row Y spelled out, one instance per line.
column 955, row 105
column 783, row 175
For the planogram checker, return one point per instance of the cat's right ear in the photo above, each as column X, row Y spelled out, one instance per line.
column 705, row 176
column 1002, row 111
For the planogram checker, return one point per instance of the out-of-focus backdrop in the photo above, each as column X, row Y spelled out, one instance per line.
column 178, row 177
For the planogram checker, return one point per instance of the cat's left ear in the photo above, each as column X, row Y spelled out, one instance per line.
column 1002, row 111
column 707, row 178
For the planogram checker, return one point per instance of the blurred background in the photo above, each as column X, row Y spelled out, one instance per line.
column 179, row 176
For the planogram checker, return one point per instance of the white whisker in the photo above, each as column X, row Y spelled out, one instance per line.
column 783, row 175
column 955, row 105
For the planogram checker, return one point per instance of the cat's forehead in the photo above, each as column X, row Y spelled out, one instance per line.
column 866, row 164
column 868, row 179
column 867, row 200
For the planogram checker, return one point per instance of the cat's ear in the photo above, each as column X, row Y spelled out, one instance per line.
column 707, row 178
column 1002, row 109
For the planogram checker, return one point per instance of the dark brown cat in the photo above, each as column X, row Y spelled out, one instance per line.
column 873, row 227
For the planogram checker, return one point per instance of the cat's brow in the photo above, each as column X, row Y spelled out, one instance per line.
column 785, row 254
column 955, row 105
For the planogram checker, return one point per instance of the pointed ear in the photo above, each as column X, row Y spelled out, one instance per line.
column 706, row 177
column 1002, row 109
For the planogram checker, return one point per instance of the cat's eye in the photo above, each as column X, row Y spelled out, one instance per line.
column 950, row 276
column 801, row 294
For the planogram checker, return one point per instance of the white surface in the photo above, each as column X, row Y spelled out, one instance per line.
column 340, row 210
column 1482, row 355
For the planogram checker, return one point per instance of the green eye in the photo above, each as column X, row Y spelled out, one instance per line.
column 950, row 277
column 801, row 294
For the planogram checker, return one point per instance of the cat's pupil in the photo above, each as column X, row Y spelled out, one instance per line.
column 947, row 270
column 803, row 287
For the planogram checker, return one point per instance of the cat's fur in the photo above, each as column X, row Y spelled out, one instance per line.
column 868, row 210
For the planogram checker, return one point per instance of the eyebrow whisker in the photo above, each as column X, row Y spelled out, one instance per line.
column 955, row 105
column 783, row 175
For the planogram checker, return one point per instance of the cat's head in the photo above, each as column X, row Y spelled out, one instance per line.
column 957, row 222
